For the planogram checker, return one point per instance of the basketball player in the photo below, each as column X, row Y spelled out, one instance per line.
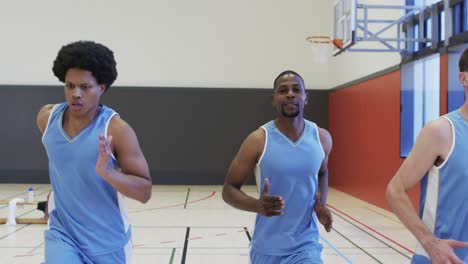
column 289, row 156
column 85, row 141
column 439, row 161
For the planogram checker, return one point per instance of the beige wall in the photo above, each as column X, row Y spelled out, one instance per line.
column 202, row 43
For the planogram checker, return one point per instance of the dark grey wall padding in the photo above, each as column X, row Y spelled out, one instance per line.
column 188, row 135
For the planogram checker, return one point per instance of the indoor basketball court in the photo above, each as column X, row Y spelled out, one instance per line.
column 191, row 224
column 195, row 79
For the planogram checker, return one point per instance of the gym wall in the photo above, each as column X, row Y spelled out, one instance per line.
column 188, row 135
column 364, row 119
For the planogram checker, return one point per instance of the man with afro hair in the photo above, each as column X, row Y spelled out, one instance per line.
column 95, row 161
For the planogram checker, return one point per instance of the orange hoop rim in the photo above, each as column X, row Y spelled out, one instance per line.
column 319, row 39
column 325, row 40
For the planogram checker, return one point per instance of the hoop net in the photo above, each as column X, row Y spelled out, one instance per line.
column 322, row 48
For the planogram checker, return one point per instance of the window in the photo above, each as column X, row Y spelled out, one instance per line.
column 428, row 31
column 465, row 14
column 425, row 2
column 420, row 78
column 458, row 18
column 416, row 36
column 427, row 23
column 420, row 96
column 442, row 25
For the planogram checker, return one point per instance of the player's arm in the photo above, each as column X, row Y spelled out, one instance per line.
column 238, row 173
column 43, row 117
column 323, row 214
column 133, row 179
column 46, row 207
column 326, row 141
column 432, row 145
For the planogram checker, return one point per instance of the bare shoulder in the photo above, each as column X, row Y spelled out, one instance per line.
column 431, row 147
column 437, row 130
column 43, row 116
column 441, row 126
column 118, row 128
column 253, row 145
column 257, row 138
column 248, row 155
column 437, row 133
column 433, row 142
column 124, row 139
column 325, row 139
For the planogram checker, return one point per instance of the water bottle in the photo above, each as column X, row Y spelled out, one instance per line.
column 30, row 194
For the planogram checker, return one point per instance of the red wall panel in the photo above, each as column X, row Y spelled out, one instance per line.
column 443, row 83
column 364, row 121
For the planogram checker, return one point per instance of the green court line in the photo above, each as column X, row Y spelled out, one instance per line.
column 172, row 256
column 186, row 198
column 376, row 238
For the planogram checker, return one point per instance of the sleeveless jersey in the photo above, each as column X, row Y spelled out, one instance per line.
column 292, row 169
column 444, row 198
column 88, row 210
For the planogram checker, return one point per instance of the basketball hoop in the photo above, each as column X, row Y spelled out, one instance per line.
column 321, row 47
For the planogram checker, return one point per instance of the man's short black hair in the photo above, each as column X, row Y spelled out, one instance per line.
column 463, row 62
column 287, row 72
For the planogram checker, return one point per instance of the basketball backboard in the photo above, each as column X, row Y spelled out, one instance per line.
column 344, row 24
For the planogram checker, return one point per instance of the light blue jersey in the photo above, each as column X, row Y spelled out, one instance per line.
column 292, row 169
column 443, row 205
column 88, row 210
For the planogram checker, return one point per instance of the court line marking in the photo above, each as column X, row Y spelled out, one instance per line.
column 16, row 230
column 357, row 246
column 336, row 250
column 186, row 198
column 248, row 234
column 30, row 253
column 381, row 214
column 172, row 256
column 174, row 205
column 184, row 252
column 389, row 246
column 209, row 236
column 164, row 227
column 373, row 230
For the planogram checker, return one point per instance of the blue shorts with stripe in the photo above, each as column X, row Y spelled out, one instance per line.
column 302, row 257
column 60, row 249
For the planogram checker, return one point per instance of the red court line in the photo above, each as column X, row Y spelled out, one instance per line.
column 371, row 229
column 166, row 242
column 174, row 205
column 192, row 238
